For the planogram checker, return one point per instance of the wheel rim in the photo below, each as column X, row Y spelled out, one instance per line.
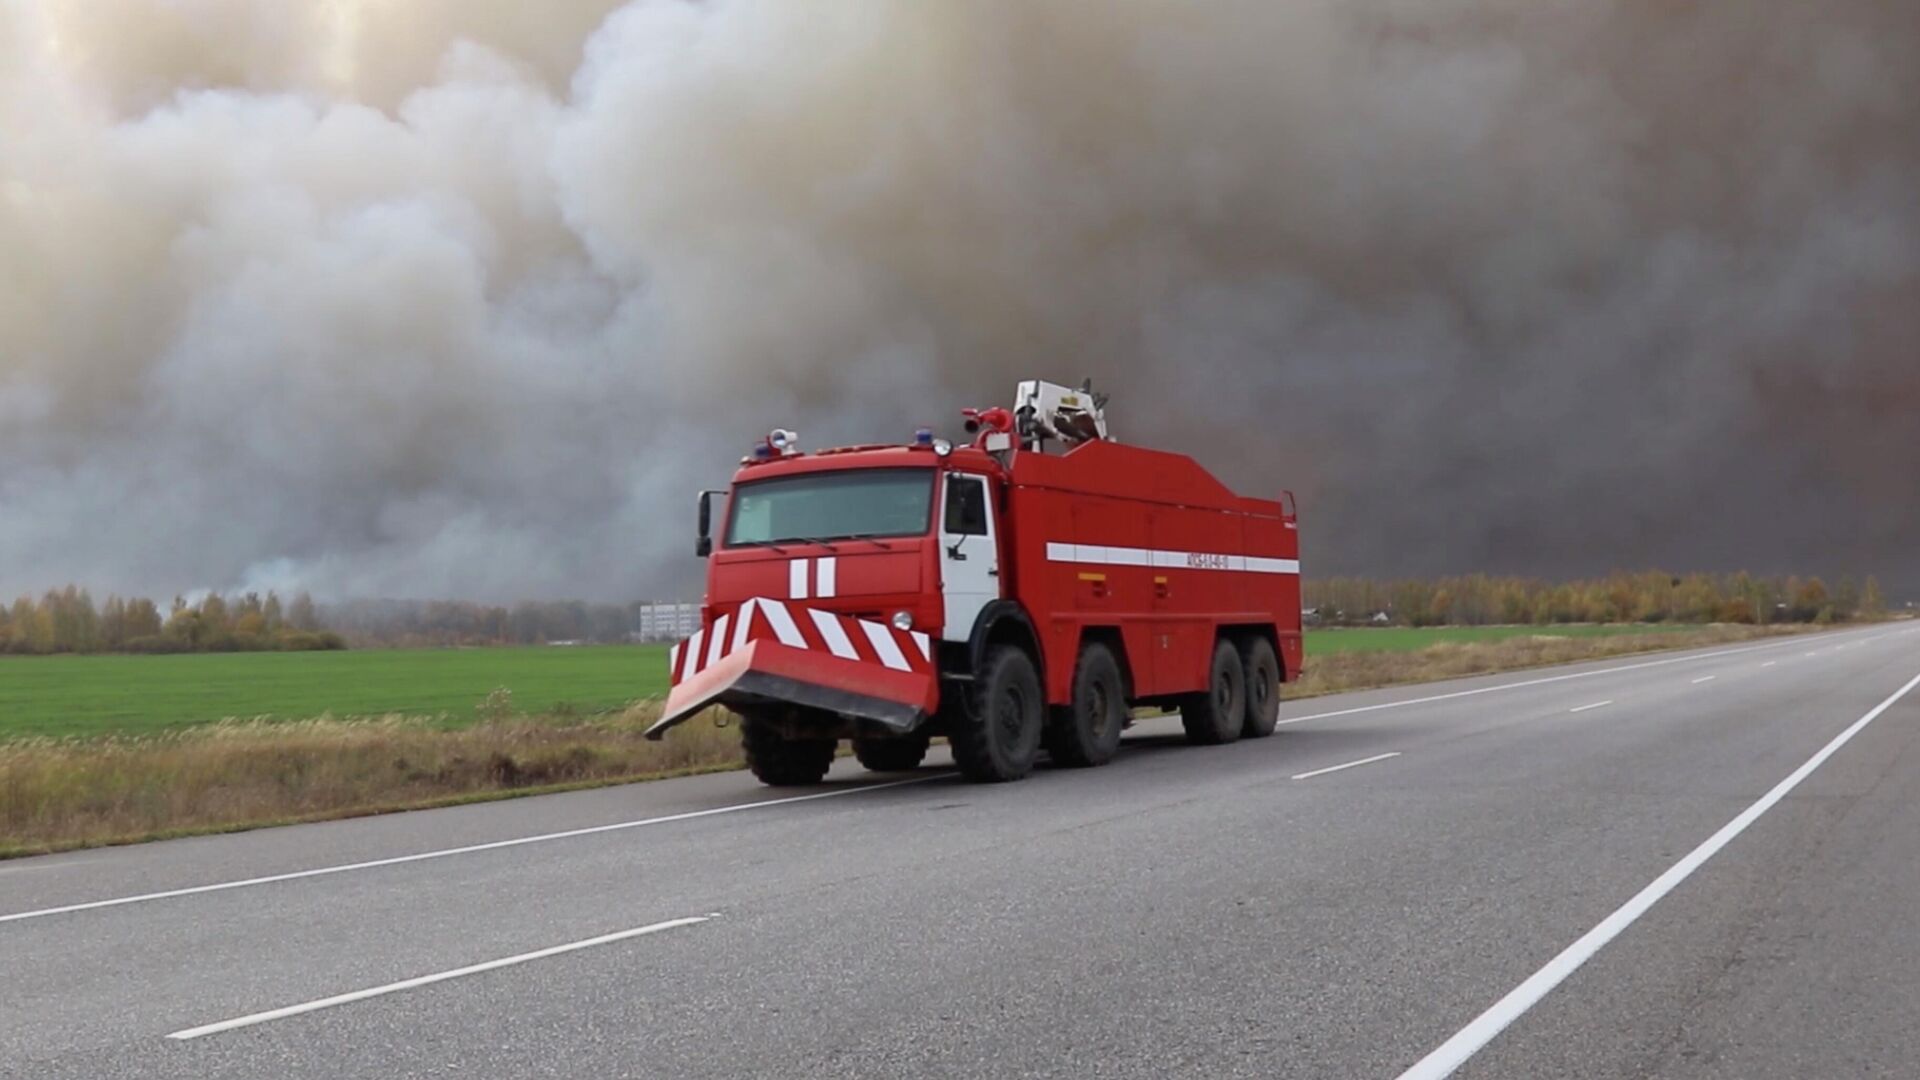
column 1260, row 689
column 1223, row 692
column 1010, row 714
column 1102, row 710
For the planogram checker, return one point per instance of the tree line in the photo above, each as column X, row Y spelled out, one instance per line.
column 423, row 623
column 66, row 621
column 1646, row 597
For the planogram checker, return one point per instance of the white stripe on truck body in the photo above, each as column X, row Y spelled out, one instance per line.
column 1101, row 555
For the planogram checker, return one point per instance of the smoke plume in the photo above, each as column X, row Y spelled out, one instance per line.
column 466, row 297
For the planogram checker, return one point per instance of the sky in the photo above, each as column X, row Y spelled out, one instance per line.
column 466, row 298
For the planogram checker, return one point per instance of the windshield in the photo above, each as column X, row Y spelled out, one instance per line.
column 831, row 506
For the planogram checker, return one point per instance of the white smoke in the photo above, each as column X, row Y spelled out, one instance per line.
column 462, row 298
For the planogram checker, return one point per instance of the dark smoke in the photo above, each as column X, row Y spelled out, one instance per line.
column 465, row 297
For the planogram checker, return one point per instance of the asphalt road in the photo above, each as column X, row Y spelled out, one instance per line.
column 1247, row 910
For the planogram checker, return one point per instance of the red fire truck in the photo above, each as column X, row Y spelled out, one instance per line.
column 1025, row 592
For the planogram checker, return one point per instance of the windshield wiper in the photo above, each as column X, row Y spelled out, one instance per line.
column 825, row 542
column 868, row 537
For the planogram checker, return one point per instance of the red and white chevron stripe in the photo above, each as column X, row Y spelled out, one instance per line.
column 800, row 627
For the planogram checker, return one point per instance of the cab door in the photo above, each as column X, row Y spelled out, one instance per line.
column 969, row 553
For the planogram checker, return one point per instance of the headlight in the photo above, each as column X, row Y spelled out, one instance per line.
column 903, row 620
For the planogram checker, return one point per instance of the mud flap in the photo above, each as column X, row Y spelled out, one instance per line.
column 765, row 671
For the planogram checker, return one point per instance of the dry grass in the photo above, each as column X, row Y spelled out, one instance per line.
column 1335, row 673
column 57, row 794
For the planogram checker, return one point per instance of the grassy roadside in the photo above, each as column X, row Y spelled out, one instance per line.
column 59, row 794
column 1325, row 640
column 64, row 793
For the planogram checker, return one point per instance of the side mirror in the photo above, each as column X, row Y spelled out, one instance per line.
column 703, row 535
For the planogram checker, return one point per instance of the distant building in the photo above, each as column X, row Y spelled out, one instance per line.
column 664, row 622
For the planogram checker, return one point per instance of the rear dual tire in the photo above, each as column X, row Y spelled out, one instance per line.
column 1261, row 670
column 782, row 762
column 892, row 755
column 1087, row 732
column 1243, row 697
column 1219, row 713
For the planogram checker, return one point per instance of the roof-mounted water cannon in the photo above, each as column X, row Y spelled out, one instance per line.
column 992, row 429
column 1045, row 410
column 989, row 420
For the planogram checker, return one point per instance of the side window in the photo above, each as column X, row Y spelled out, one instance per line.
column 966, row 506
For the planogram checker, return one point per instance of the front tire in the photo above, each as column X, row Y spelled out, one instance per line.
column 1262, row 669
column 892, row 755
column 782, row 762
column 1087, row 732
column 1217, row 714
column 999, row 737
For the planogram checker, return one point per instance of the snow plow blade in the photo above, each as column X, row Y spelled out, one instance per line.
column 772, row 652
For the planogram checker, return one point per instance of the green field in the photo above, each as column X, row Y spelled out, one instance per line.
column 94, row 695
column 1407, row 639
column 98, row 695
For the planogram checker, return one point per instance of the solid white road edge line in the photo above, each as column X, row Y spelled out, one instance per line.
column 1544, row 681
column 495, row 845
column 1595, row 705
column 428, row 980
column 1455, row 1051
column 1348, row 765
column 1770, row 663
column 1538, row 682
column 1704, row 678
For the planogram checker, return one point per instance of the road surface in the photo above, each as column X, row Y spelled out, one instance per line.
column 1697, row 864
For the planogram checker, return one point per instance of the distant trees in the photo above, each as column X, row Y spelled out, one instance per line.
column 66, row 621
column 1648, row 596
column 302, row 617
column 1871, row 602
column 409, row 623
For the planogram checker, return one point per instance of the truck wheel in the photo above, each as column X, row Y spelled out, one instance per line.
column 1000, row 735
column 1217, row 715
column 1262, row 671
column 1087, row 732
column 892, row 755
column 782, row 762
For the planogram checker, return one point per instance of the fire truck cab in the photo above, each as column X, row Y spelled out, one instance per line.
column 1023, row 593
